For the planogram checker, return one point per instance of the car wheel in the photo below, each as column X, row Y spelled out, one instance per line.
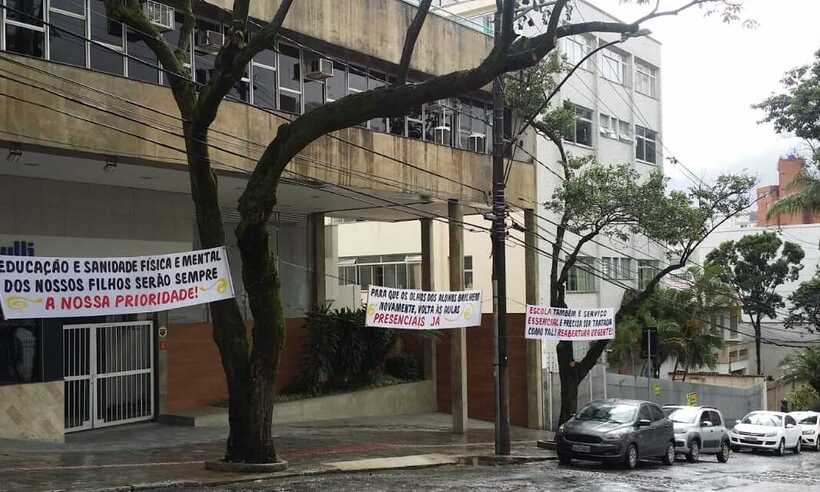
column 817, row 445
column 631, row 457
column 669, row 457
column 723, row 454
column 799, row 446
column 694, row 451
column 781, row 448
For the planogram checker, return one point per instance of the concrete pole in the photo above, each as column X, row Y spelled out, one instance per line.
column 535, row 383
column 319, row 287
column 427, row 285
column 458, row 337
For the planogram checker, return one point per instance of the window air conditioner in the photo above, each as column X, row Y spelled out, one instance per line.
column 320, row 69
column 160, row 15
column 210, row 40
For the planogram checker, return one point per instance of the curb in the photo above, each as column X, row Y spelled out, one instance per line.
column 495, row 460
column 546, row 445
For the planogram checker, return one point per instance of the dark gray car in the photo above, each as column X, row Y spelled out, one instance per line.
column 623, row 431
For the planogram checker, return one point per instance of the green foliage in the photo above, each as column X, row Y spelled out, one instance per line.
column 755, row 266
column 680, row 316
column 526, row 91
column 341, row 352
column 804, row 305
column 803, row 367
column 804, row 398
column 403, row 367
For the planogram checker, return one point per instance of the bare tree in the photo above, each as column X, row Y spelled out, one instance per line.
column 250, row 364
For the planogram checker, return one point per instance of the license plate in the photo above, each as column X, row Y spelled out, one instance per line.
column 580, row 448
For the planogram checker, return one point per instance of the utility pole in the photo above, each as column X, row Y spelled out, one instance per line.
column 499, row 233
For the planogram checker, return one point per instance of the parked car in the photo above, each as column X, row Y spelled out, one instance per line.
column 809, row 423
column 699, row 430
column 614, row 430
column 775, row 431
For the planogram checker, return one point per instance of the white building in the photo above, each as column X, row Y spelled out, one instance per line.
column 617, row 95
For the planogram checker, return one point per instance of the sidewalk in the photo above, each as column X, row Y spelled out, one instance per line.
column 150, row 453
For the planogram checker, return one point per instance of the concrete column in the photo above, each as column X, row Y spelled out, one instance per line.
column 427, row 284
column 317, row 237
column 458, row 337
column 535, row 384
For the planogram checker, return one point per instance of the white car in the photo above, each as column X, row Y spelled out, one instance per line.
column 809, row 423
column 776, row 431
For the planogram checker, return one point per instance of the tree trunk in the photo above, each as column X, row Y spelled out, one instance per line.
column 568, row 375
column 757, row 348
column 249, row 373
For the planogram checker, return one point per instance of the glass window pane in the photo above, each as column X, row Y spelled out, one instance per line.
column 414, row 276
column 335, row 86
column 106, row 60
column 75, row 6
column 401, row 276
column 204, row 65
column 357, row 78
column 25, row 41
column 240, row 90
column 468, row 262
column 264, row 81
column 415, row 128
column 141, row 71
column 266, row 57
column 292, row 103
column 290, row 67
column 468, row 280
column 365, row 276
column 390, row 275
column 65, row 46
column 102, row 29
column 314, row 94
column 397, row 126
column 30, row 11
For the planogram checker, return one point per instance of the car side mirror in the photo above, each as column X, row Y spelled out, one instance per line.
column 706, row 423
column 737, row 421
column 644, row 423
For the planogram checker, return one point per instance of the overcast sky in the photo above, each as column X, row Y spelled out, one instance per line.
column 712, row 73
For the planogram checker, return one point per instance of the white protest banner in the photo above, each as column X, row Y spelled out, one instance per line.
column 46, row 287
column 417, row 309
column 550, row 323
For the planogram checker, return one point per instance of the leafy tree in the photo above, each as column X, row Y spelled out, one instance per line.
column 755, row 266
column 803, row 367
column 804, row 306
column 803, row 398
column 250, row 363
column 796, row 111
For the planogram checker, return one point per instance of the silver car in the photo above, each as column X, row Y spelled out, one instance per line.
column 699, row 430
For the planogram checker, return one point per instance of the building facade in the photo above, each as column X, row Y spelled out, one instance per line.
column 788, row 168
column 95, row 166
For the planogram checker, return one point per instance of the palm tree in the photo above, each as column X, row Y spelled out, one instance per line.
column 803, row 367
column 806, row 199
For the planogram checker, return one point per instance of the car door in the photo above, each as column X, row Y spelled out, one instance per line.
column 792, row 431
column 661, row 430
column 712, row 431
column 644, row 432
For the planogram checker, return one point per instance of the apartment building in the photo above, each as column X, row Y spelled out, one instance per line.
column 94, row 166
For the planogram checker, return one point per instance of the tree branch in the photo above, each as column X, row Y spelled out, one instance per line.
column 555, row 18
column 233, row 58
column 410, row 40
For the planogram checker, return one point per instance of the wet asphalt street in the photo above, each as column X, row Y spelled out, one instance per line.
column 744, row 471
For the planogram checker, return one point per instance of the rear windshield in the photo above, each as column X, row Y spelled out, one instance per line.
column 685, row 415
column 769, row 419
column 618, row 413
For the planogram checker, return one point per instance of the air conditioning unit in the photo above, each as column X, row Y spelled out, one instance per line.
column 320, row 69
column 210, row 40
column 160, row 15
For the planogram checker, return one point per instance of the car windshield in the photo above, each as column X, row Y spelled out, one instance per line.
column 809, row 420
column 769, row 419
column 685, row 415
column 619, row 413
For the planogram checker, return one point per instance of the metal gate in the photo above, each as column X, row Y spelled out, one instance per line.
column 109, row 374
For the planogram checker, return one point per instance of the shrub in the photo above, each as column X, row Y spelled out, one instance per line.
column 803, row 397
column 403, row 367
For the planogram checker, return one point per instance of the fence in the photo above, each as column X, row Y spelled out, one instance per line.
column 733, row 402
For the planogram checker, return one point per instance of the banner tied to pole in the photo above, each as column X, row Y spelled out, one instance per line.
column 421, row 310
column 46, row 287
column 550, row 323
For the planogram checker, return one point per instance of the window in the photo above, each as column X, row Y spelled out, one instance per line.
column 581, row 131
column 617, row 268
column 290, row 79
column 263, row 71
column 645, row 413
column 468, row 272
column 439, row 122
column 613, row 66
column 656, row 412
column 581, row 278
column 743, row 354
column 397, row 271
column 172, row 38
column 66, row 44
column 336, row 86
column 790, row 420
column 485, row 23
column 733, row 319
column 139, row 49
column 375, row 80
column 645, row 144
column 647, row 269
column 608, row 125
column 108, row 57
column 624, row 130
column 576, row 48
column 20, row 350
column 471, row 126
column 25, row 33
column 722, row 325
column 646, row 79
column 415, row 124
